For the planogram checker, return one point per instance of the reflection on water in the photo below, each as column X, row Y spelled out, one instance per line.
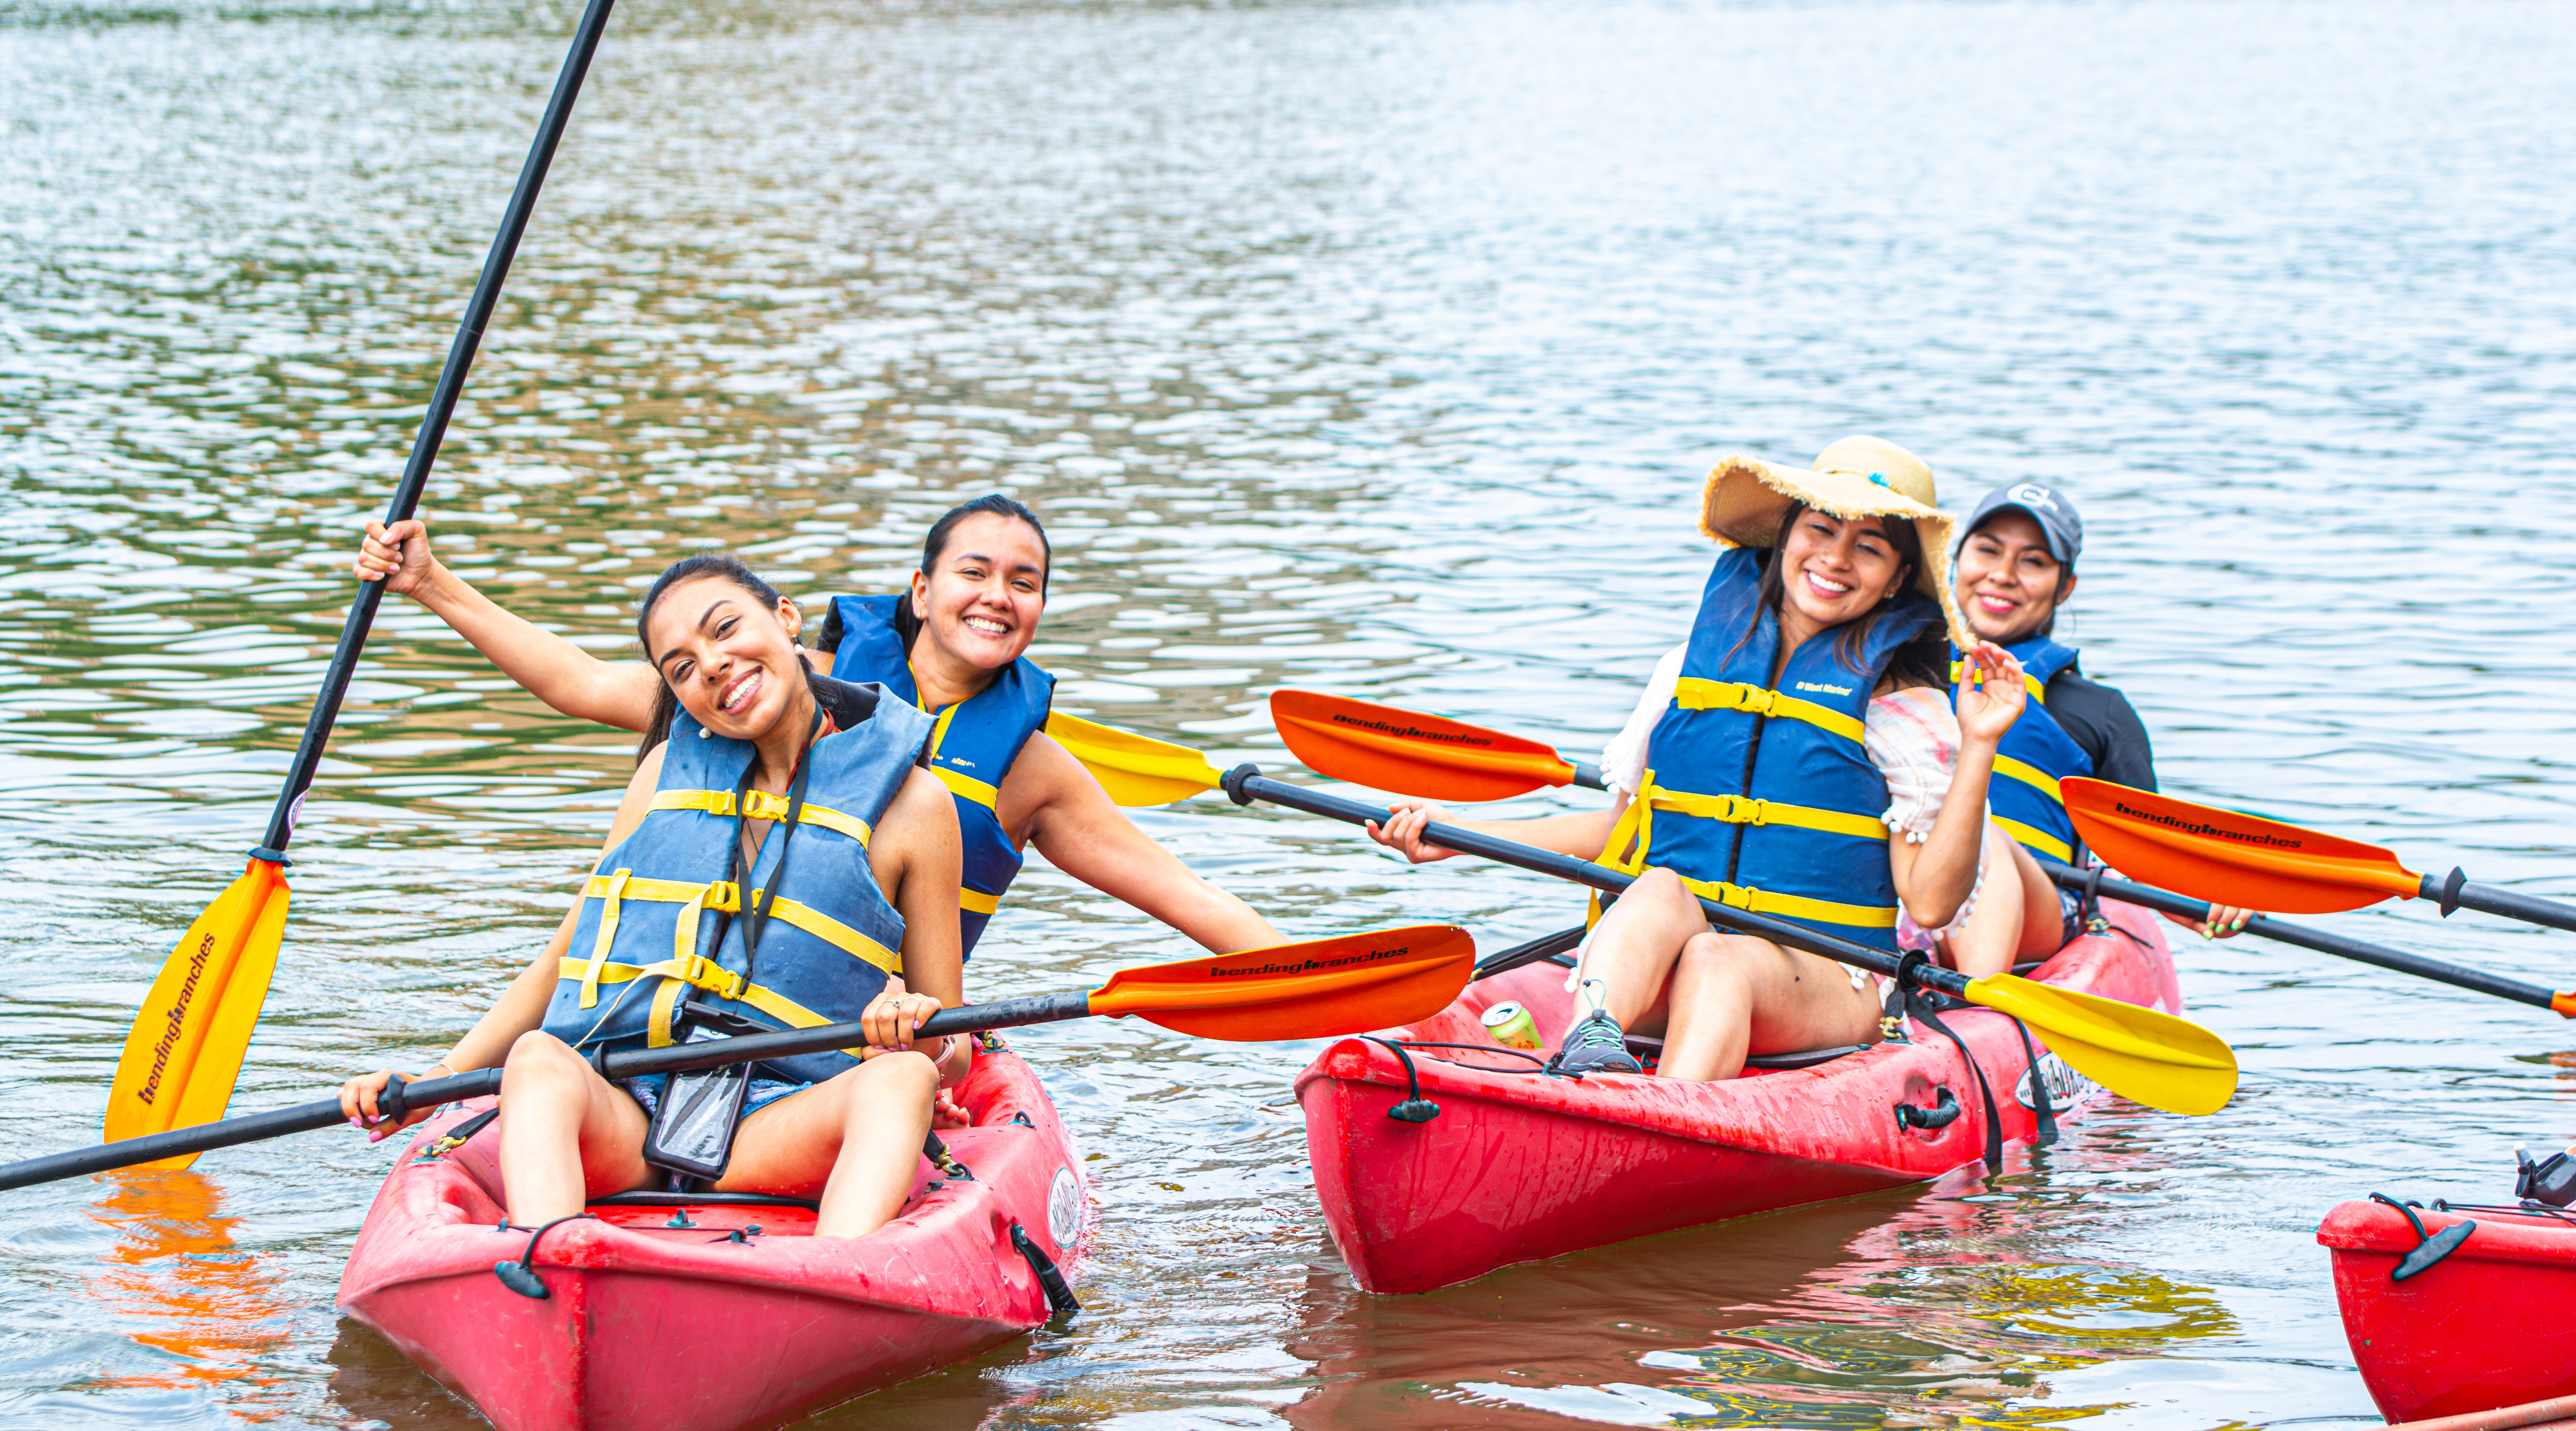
column 178, row 1284
column 1366, row 346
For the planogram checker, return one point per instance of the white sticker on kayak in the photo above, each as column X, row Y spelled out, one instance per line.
column 2066, row 1087
column 1064, row 1209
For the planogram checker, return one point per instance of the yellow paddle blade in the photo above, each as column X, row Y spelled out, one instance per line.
column 185, row 1050
column 2142, row 1055
column 1134, row 769
column 2231, row 858
column 1321, row 988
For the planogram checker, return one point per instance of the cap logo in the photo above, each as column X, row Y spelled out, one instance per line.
column 2031, row 494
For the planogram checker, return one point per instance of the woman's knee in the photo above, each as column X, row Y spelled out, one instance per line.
column 538, row 1057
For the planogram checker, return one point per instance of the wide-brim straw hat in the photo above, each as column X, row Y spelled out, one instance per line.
column 1747, row 499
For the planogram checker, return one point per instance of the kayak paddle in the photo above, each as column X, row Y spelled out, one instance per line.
column 185, row 1051
column 2231, row 857
column 1317, row 989
column 2097, row 882
column 1134, row 769
column 1413, row 754
column 1440, row 759
column 2142, row 1055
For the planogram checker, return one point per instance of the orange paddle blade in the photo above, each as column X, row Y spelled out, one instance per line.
column 1318, row 989
column 185, row 1050
column 1385, row 748
column 2229, row 858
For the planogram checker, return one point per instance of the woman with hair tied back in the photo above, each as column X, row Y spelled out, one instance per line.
column 782, row 861
column 953, row 646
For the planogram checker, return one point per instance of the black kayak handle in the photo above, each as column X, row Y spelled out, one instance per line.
column 1943, row 1112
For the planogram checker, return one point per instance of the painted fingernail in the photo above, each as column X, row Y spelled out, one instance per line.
column 357, row 1122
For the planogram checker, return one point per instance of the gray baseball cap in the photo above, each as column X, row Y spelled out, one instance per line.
column 2050, row 507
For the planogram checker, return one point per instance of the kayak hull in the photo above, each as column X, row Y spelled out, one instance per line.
column 652, row 1326
column 1519, row 1165
column 2483, row 1328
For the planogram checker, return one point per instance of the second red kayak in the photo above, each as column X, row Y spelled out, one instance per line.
column 702, row 1314
column 1517, row 1165
column 2481, row 1326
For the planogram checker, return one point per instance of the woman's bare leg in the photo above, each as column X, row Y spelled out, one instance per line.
column 1734, row 995
column 1636, row 943
column 566, row 1135
column 2043, row 919
column 1987, row 943
column 857, row 1136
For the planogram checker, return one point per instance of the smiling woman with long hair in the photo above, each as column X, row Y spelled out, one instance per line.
column 955, row 645
column 787, row 844
column 1798, row 756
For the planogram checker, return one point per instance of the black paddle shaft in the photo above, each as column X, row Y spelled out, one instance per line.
column 1246, row 783
column 2457, row 975
column 399, row 1097
column 2454, row 891
column 433, row 424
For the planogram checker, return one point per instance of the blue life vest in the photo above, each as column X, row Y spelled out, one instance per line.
column 657, row 903
column 1763, row 797
column 2034, row 755
column 971, row 748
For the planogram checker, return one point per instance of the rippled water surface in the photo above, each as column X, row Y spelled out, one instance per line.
column 1372, row 346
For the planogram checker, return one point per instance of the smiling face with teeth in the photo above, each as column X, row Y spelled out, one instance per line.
column 1835, row 569
column 2009, row 583
column 979, row 606
column 729, row 659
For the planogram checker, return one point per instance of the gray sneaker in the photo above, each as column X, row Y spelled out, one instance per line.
column 1597, row 1045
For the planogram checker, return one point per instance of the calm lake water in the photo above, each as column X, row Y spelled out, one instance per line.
column 1371, row 346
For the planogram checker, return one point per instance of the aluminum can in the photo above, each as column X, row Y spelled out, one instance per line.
column 1511, row 1025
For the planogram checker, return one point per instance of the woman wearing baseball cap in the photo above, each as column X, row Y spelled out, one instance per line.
column 2015, row 568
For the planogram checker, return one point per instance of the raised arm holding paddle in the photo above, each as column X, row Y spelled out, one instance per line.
column 953, row 644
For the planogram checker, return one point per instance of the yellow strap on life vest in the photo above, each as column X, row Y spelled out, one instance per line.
column 2030, row 775
column 976, row 901
column 966, row 787
column 607, row 935
column 1695, row 693
column 1736, row 810
column 2040, row 840
column 761, row 805
column 705, row 974
column 1822, row 911
column 1632, row 839
column 725, row 897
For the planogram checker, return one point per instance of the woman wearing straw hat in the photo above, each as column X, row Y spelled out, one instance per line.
column 1798, row 756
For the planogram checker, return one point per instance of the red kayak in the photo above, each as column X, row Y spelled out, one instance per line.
column 2484, row 1326
column 1518, row 1165
column 716, row 1314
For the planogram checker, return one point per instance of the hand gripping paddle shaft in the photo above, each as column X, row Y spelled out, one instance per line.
column 2140, row 1054
column 186, row 1048
column 1317, row 989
